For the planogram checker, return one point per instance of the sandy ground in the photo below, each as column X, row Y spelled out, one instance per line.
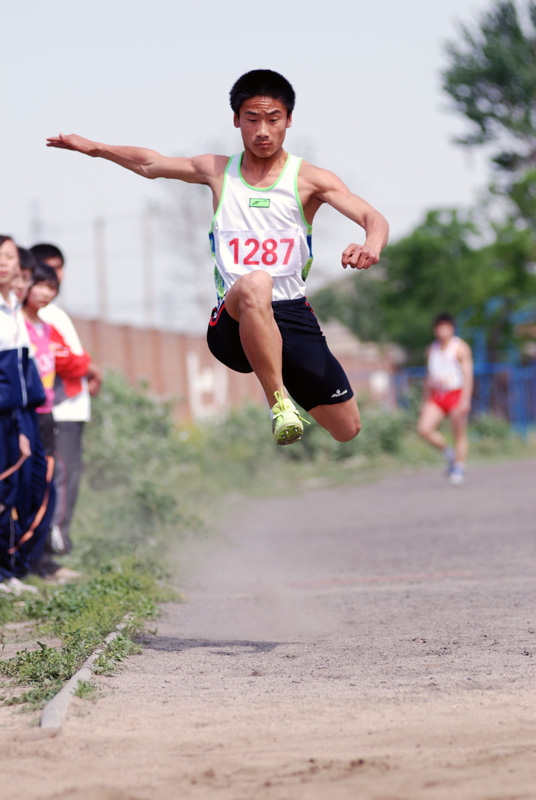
column 361, row 642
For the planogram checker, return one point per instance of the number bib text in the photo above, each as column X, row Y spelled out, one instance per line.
column 276, row 252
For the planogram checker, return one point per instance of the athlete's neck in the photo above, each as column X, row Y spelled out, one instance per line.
column 262, row 171
column 444, row 343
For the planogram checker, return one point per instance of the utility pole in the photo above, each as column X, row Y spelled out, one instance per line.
column 102, row 278
column 148, row 267
column 36, row 223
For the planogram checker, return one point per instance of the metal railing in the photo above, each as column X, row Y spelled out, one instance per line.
column 506, row 390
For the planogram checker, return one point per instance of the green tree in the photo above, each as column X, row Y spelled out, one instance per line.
column 445, row 264
column 492, row 80
column 438, row 267
column 435, row 268
column 522, row 193
column 355, row 301
column 510, row 286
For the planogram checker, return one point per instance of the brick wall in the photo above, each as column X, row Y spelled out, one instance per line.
column 181, row 368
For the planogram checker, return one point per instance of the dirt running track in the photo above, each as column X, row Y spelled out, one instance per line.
column 375, row 641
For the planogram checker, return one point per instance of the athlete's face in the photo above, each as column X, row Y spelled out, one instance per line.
column 444, row 331
column 263, row 123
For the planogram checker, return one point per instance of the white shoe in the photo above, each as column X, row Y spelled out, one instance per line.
column 18, row 587
column 457, row 475
column 63, row 575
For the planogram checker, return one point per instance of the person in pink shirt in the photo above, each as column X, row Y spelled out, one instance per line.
column 49, row 348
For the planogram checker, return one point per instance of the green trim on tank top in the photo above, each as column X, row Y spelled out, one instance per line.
column 222, row 193
column 258, row 188
column 309, row 227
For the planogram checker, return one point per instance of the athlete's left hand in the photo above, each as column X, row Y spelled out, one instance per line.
column 360, row 256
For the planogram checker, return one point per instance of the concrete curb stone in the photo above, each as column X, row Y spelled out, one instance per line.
column 53, row 714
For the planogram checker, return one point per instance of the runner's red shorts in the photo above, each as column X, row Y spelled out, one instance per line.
column 446, row 400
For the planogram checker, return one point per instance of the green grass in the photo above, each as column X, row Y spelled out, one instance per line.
column 114, row 653
column 85, row 691
column 81, row 615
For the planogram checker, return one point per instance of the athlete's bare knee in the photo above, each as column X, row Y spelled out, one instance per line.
column 342, row 421
column 423, row 430
column 249, row 292
column 253, row 290
column 347, row 432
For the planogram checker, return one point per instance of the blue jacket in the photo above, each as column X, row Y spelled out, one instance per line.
column 20, row 384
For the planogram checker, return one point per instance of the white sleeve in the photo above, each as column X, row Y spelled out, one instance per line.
column 59, row 318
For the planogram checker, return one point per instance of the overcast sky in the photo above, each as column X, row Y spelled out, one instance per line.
column 369, row 107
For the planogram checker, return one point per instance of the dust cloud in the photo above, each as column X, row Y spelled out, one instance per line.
column 249, row 581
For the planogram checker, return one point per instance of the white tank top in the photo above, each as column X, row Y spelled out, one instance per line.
column 264, row 229
column 444, row 369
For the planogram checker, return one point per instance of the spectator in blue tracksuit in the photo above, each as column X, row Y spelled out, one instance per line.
column 26, row 490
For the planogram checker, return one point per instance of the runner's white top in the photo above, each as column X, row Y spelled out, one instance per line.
column 444, row 369
column 261, row 229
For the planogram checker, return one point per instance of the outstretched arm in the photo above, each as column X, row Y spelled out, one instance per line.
column 145, row 162
column 325, row 187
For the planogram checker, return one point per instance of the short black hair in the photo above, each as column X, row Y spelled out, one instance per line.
column 444, row 317
column 27, row 259
column 42, row 273
column 262, row 83
column 44, row 251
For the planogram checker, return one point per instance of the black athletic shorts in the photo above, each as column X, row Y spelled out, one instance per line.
column 311, row 373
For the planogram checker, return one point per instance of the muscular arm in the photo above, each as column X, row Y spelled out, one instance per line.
column 203, row 169
column 321, row 186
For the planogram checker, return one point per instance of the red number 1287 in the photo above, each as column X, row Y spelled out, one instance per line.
column 268, row 251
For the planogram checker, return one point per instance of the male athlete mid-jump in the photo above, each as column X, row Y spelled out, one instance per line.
column 264, row 203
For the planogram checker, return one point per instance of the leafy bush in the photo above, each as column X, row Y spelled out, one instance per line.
column 490, row 426
column 150, row 483
column 131, row 490
column 382, row 433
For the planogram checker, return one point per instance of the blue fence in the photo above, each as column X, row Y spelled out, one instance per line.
column 506, row 390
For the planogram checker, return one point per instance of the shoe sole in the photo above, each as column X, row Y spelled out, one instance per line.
column 289, row 435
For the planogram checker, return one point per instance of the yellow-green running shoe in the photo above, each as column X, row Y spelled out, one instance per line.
column 287, row 425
